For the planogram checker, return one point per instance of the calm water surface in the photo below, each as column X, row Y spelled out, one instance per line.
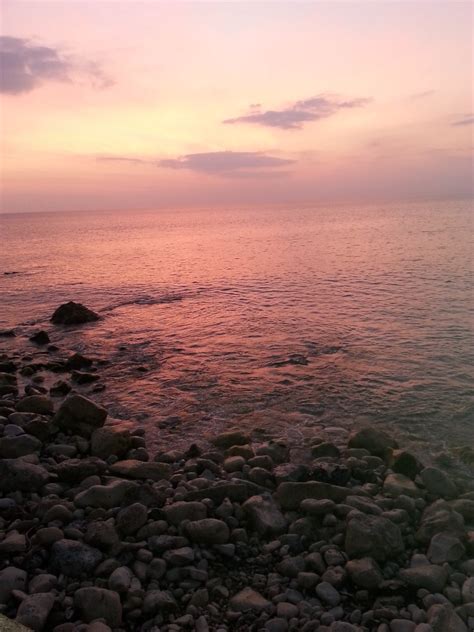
column 298, row 320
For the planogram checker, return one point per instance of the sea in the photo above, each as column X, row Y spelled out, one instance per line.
column 302, row 321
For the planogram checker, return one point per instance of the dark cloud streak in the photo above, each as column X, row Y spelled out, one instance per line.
column 300, row 112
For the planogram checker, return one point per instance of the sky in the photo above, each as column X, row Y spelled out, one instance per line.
column 127, row 105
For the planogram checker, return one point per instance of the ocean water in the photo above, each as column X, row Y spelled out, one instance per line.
column 302, row 321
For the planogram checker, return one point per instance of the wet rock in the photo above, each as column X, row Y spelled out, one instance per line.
column 99, row 603
column 264, row 515
column 403, row 462
column 437, row 483
column 80, row 415
column 228, row 439
column 365, row 573
column 83, row 377
column 20, row 445
column 73, row 558
column 39, row 404
column 398, row 484
column 290, row 495
column 34, row 610
column 325, row 449
column 135, row 469
column 106, row 496
column 373, row 536
column 11, row 578
column 249, row 599
column 208, row 531
column 445, row 547
column 73, row 314
column 40, row 337
column 16, row 474
column 375, row 441
column 59, row 389
column 78, row 361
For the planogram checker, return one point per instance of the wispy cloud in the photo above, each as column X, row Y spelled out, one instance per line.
column 298, row 113
column 26, row 65
column 467, row 120
column 229, row 163
column 421, row 95
column 124, row 159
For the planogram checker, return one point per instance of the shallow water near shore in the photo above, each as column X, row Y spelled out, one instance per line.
column 294, row 320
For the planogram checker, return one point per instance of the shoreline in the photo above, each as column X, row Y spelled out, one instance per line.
column 242, row 532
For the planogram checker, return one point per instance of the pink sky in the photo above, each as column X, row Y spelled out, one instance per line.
column 132, row 105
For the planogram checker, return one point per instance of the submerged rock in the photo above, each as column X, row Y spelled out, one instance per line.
column 73, row 314
column 40, row 337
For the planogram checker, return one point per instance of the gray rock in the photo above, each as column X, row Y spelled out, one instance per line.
column 403, row 462
column 373, row 536
column 264, row 515
column 317, row 507
column 325, row 449
column 428, row 576
column 179, row 557
column 157, row 601
column 437, row 518
column 249, row 599
column 34, row 610
column 443, row 618
column 11, row 578
column 110, row 440
column 468, row 590
column 445, row 547
column 16, row 474
column 43, row 583
column 402, row 625
column 365, row 573
column 73, row 558
column 438, row 483
column 99, row 603
column 208, row 531
column 230, row 438
column 398, row 484
column 80, row 415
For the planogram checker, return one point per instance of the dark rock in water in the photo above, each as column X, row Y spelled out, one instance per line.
column 80, row 415
column 7, row 366
column 16, row 474
column 78, row 361
column 59, row 388
column 73, row 314
column 7, row 333
column 81, row 377
column 375, row 441
column 40, row 337
column 110, row 440
column 403, row 462
column 73, row 558
column 35, row 404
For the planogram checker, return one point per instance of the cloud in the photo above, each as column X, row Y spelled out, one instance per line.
column 124, row 159
column 421, row 95
column 467, row 120
column 229, row 163
column 298, row 113
column 26, row 65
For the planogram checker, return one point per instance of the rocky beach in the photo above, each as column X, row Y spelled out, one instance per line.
column 240, row 531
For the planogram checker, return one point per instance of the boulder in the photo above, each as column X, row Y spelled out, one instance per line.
column 249, row 599
column 445, row 547
column 120, row 579
column 439, row 517
column 76, row 470
column 208, row 531
column 106, row 496
column 74, row 558
column 375, row 441
column 20, row 445
column 179, row 511
column 99, row 603
column 398, row 484
column 110, row 440
column 80, row 415
column 365, row 573
column 39, row 404
column 403, row 462
column 11, row 578
column 437, row 483
column 290, row 495
column 264, row 515
column 230, row 438
column 428, row 576
column 131, row 518
column 40, row 337
column 34, row 610
column 135, row 469
column 373, row 536
column 72, row 313
column 157, row 601
column 16, row 474
column 442, row 618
